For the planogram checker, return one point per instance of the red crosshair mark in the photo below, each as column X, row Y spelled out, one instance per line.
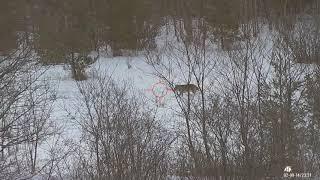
column 160, row 90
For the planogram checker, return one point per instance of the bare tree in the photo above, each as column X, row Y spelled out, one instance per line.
column 123, row 139
column 190, row 61
column 25, row 107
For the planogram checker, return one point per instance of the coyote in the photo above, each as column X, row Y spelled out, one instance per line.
column 180, row 89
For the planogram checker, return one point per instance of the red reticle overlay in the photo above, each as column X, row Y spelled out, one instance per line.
column 160, row 90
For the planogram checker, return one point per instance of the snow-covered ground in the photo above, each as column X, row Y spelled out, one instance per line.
column 140, row 76
column 132, row 69
column 137, row 72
